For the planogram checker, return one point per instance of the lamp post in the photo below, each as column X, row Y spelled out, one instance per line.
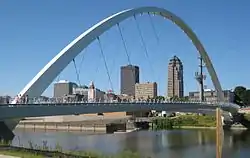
column 200, row 77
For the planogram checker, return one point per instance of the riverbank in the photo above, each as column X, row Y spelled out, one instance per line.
column 16, row 154
column 7, row 156
column 63, row 126
column 185, row 121
column 97, row 124
column 41, row 152
column 190, row 122
column 233, row 127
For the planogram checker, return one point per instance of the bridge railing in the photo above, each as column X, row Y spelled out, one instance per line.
column 54, row 101
column 58, row 102
column 72, row 101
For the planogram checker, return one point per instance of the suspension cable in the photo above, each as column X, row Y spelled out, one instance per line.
column 77, row 75
column 124, row 44
column 105, row 63
column 143, row 44
column 96, row 70
column 154, row 29
column 81, row 62
column 112, row 66
column 157, row 38
column 142, row 40
column 58, row 78
column 126, row 49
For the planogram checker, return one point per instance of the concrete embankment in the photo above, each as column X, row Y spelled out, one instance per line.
column 63, row 126
column 97, row 124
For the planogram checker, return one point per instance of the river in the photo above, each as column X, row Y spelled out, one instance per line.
column 157, row 144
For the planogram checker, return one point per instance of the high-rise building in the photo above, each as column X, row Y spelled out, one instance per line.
column 129, row 77
column 175, row 78
column 145, row 90
column 63, row 88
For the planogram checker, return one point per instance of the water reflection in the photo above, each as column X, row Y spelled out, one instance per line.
column 157, row 144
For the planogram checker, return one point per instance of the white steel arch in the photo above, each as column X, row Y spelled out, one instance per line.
column 44, row 78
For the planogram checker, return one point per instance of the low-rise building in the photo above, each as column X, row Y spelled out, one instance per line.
column 211, row 95
column 63, row 87
column 5, row 99
column 145, row 90
column 110, row 96
column 95, row 94
column 65, row 91
column 81, row 92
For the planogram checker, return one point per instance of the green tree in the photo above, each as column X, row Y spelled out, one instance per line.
column 239, row 91
column 246, row 98
column 184, row 98
column 175, row 98
column 242, row 95
column 160, row 98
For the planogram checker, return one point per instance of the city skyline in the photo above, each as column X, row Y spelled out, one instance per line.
column 130, row 78
column 29, row 51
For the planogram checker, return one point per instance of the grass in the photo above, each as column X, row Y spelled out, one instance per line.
column 247, row 116
column 21, row 154
column 38, row 151
column 87, row 154
column 94, row 154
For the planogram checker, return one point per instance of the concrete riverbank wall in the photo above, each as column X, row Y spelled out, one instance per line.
column 63, row 127
column 96, row 124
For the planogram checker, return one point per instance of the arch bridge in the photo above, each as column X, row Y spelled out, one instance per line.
column 50, row 71
column 46, row 76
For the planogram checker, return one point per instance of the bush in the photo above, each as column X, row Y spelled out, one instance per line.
column 185, row 120
column 163, row 123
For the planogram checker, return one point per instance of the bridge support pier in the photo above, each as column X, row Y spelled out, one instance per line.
column 6, row 127
column 6, row 134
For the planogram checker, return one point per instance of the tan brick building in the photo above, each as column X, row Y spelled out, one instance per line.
column 145, row 90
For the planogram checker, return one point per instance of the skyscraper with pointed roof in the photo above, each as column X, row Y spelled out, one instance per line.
column 175, row 86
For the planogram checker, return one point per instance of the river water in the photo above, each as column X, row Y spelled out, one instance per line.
column 156, row 144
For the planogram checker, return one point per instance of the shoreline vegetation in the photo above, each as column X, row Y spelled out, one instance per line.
column 184, row 121
column 191, row 121
column 35, row 151
column 187, row 121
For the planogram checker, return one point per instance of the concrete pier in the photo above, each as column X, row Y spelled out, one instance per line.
column 6, row 128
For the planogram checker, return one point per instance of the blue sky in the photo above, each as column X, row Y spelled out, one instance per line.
column 33, row 32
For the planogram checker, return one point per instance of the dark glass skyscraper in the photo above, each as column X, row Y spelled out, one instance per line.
column 129, row 77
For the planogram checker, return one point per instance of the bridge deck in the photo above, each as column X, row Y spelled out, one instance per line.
column 33, row 110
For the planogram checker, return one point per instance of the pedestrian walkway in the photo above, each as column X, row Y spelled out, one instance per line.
column 6, row 156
